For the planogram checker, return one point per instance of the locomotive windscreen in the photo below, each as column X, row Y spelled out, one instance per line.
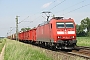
column 60, row 25
column 69, row 25
column 64, row 25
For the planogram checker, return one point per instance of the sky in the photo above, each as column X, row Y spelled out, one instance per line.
column 30, row 12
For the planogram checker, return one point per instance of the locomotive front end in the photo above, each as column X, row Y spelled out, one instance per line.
column 66, row 34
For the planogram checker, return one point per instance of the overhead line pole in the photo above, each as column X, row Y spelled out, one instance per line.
column 17, row 28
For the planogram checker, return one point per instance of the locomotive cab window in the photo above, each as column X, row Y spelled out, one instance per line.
column 60, row 25
column 51, row 26
column 69, row 25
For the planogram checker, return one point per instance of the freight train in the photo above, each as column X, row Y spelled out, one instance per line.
column 58, row 33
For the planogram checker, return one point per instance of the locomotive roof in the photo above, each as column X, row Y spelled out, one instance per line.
column 56, row 18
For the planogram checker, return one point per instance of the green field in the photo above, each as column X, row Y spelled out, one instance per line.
column 83, row 41
column 19, row 51
column 2, row 42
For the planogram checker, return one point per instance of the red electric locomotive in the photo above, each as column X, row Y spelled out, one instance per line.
column 58, row 32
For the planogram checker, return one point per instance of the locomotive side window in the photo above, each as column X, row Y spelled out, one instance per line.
column 60, row 25
column 69, row 25
column 51, row 26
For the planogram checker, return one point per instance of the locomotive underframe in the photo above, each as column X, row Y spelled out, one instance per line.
column 60, row 44
column 66, row 44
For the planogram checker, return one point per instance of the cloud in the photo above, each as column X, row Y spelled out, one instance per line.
column 46, row 5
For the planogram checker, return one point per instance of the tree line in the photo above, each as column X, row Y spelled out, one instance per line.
column 82, row 30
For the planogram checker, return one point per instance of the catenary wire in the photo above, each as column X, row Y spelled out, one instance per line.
column 76, row 9
column 57, row 4
column 72, row 6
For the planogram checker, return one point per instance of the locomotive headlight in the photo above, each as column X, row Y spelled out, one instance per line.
column 72, row 36
column 59, row 36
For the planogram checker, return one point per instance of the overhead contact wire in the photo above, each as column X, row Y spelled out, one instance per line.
column 57, row 4
column 72, row 5
column 76, row 9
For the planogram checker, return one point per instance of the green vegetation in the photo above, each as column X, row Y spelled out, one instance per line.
column 84, row 28
column 83, row 41
column 19, row 51
column 25, row 29
column 2, row 42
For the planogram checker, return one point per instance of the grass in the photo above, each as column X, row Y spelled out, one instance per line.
column 2, row 42
column 19, row 51
column 83, row 41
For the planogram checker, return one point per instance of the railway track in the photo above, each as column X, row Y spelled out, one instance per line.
column 81, row 52
column 68, row 55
